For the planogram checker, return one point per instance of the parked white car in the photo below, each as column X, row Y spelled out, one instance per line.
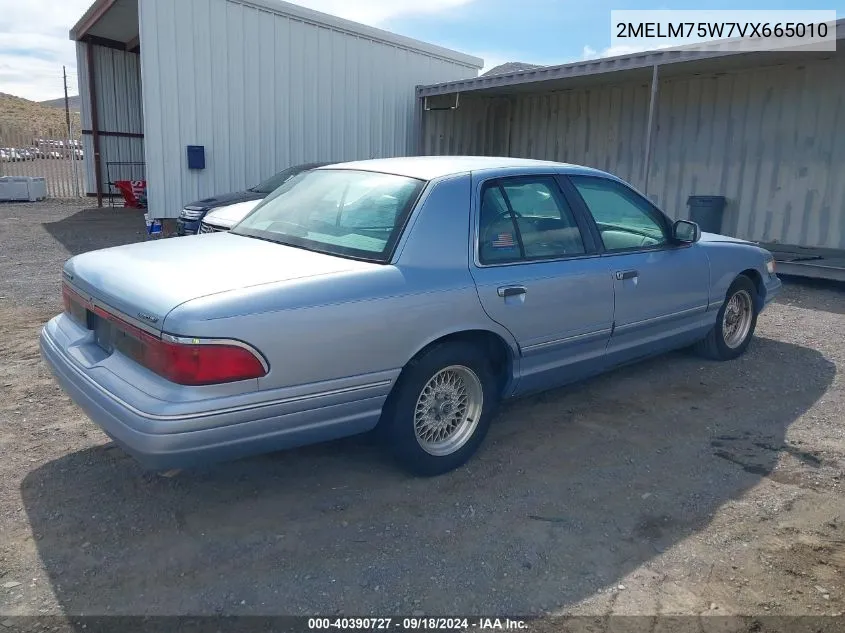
column 224, row 218
column 10, row 154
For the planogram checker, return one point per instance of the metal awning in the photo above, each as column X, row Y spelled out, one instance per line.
column 633, row 67
column 110, row 22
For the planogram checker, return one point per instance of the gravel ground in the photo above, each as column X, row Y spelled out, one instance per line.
column 676, row 486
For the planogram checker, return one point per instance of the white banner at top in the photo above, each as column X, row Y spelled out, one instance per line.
column 718, row 30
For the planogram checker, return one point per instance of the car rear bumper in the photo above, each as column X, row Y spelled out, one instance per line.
column 189, row 440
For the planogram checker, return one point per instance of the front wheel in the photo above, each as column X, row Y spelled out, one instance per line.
column 735, row 323
column 440, row 409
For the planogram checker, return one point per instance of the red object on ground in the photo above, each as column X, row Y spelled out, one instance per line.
column 132, row 190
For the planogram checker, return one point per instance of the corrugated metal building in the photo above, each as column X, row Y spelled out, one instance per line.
column 765, row 130
column 260, row 84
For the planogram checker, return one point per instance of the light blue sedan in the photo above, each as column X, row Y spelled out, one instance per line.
column 410, row 295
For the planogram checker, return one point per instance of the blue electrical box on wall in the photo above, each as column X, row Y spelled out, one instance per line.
column 196, row 156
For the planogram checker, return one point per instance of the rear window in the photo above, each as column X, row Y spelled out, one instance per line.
column 349, row 213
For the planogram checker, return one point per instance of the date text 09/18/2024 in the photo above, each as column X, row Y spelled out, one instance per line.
column 416, row 624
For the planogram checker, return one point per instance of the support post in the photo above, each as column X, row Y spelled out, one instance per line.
column 418, row 138
column 72, row 150
column 511, row 101
column 67, row 102
column 649, row 130
column 95, row 123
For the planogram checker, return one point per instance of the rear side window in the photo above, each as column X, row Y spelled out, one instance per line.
column 525, row 219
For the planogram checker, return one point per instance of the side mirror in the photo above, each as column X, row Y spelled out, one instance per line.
column 686, row 232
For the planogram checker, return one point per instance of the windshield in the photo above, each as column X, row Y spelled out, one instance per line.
column 341, row 212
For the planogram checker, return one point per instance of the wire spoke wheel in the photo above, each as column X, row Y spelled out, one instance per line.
column 448, row 410
column 737, row 319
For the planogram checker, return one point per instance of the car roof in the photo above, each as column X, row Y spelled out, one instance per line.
column 307, row 166
column 431, row 167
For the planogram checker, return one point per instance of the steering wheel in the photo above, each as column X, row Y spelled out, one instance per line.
column 506, row 214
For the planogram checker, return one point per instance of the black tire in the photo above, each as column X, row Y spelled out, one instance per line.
column 396, row 427
column 713, row 346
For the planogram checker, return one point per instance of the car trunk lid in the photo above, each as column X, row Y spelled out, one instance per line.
column 147, row 280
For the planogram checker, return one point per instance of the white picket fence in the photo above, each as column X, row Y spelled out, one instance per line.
column 50, row 155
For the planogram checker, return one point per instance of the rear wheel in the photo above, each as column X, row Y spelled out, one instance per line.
column 735, row 323
column 440, row 409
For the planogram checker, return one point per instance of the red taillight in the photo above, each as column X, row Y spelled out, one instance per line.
column 74, row 304
column 200, row 364
column 185, row 361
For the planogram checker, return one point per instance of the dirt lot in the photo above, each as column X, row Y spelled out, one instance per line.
column 677, row 486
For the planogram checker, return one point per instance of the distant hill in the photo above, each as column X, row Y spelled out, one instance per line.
column 74, row 103
column 22, row 117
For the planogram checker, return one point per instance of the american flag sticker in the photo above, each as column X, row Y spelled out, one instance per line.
column 503, row 241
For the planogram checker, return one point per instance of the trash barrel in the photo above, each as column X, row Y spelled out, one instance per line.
column 707, row 211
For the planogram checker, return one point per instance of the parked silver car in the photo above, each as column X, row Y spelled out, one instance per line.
column 408, row 294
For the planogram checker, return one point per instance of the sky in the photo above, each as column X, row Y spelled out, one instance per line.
column 34, row 40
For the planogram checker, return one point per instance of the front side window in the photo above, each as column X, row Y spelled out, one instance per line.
column 526, row 218
column 625, row 220
column 349, row 213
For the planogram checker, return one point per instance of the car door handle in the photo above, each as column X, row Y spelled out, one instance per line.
column 510, row 291
column 621, row 275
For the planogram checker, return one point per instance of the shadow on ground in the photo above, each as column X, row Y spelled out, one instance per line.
column 573, row 490
column 91, row 229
